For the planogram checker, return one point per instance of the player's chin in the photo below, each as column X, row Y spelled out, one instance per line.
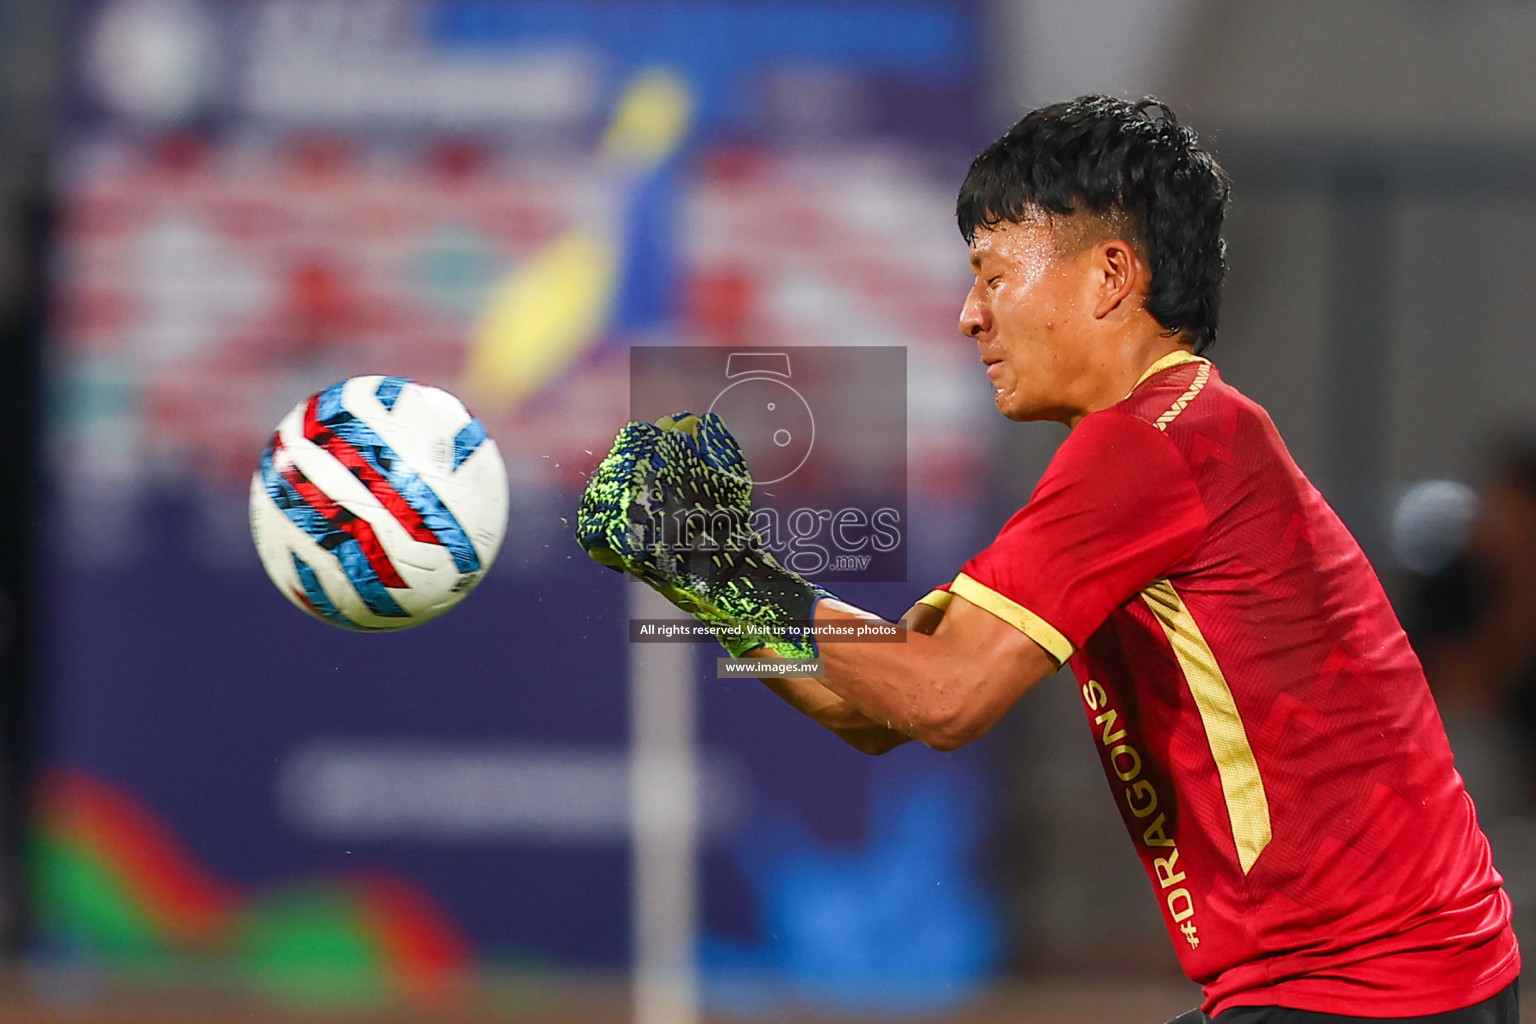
column 1007, row 402
column 1018, row 409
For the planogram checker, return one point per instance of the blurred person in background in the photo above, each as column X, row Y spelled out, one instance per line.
column 1473, row 623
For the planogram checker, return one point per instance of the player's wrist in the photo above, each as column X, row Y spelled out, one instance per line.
column 768, row 607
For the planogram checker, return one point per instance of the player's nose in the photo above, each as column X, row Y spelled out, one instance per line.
column 974, row 317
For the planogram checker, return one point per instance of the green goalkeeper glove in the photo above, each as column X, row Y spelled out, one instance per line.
column 672, row 504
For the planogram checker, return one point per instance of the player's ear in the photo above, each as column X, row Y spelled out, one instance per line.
column 1116, row 274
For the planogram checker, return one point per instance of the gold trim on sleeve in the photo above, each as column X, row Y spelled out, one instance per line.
column 1015, row 614
column 1247, row 806
column 937, row 599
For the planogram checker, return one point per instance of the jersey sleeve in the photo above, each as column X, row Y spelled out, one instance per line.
column 1117, row 509
column 939, row 597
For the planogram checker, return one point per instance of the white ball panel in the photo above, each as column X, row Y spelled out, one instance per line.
column 482, row 490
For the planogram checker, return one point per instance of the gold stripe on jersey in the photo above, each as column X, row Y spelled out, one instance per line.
column 1015, row 614
column 1196, row 386
column 1247, row 806
column 937, row 599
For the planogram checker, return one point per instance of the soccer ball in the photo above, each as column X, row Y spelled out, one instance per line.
column 378, row 504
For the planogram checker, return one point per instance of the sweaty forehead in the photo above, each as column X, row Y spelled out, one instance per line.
column 1015, row 242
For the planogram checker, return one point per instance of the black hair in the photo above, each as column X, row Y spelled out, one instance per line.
column 1135, row 167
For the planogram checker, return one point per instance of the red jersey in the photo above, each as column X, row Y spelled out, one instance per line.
column 1266, row 729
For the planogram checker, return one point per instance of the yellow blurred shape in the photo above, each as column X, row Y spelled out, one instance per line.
column 651, row 119
column 555, row 305
column 545, row 314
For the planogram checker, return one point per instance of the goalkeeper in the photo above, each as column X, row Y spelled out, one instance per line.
column 1265, row 728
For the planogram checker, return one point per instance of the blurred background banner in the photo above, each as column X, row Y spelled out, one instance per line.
column 257, row 199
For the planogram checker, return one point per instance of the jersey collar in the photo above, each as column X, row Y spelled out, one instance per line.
column 1178, row 357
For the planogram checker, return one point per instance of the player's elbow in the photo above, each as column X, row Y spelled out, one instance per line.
column 945, row 740
column 949, row 726
column 874, row 741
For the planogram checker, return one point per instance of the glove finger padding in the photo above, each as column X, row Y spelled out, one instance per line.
column 603, row 516
column 714, row 443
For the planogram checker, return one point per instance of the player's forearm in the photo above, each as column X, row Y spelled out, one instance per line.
column 834, row 713
column 944, row 689
column 880, row 691
column 892, row 685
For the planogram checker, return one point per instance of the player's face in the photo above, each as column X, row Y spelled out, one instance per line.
column 1023, row 312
